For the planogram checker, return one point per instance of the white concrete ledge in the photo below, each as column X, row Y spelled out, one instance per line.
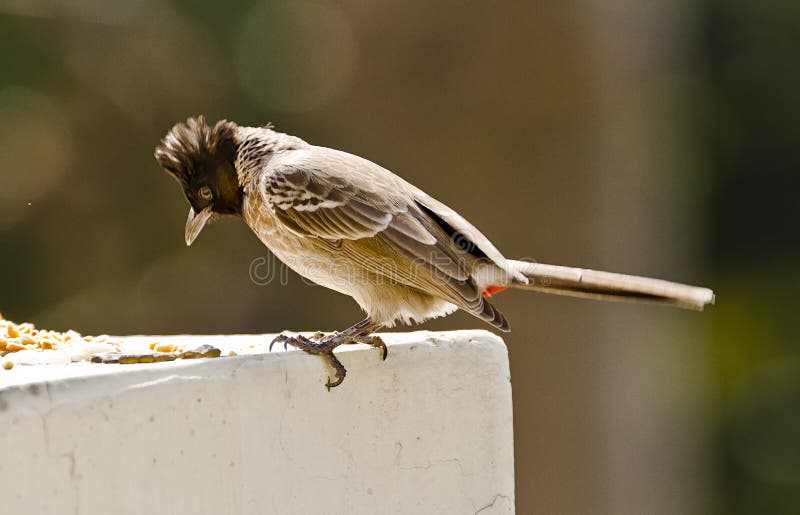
column 427, row 431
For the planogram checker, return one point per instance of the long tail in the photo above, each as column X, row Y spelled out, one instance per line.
column 578, row 282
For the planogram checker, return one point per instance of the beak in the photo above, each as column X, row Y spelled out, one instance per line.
column 195, row 223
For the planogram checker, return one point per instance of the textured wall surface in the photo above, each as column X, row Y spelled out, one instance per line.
column 427, row 431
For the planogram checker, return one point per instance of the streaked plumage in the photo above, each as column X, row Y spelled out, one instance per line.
column 350, row 225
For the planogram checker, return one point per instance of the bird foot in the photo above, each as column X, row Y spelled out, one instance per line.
column 322, row 347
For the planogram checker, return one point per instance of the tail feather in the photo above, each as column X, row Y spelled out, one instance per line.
column 578, row 282
column 493, row 316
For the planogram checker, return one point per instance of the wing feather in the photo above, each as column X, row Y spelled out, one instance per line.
column 369, row 214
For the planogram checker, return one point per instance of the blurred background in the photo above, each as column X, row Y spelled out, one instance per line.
column 656, row 138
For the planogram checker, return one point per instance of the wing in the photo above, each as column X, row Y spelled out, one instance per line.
column 371, row 214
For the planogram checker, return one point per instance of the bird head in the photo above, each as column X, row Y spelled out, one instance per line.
column 202, row 159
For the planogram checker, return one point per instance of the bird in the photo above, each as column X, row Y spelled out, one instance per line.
column 353, row 226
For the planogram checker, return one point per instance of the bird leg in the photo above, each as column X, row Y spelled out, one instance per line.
column 357, row 333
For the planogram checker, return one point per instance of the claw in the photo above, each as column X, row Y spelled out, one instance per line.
column 299, row 341
column 374, row 341
column 330, row 385
column 279, row 338
column 340, row 374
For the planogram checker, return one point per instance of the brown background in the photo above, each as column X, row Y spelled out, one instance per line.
column 627, row 136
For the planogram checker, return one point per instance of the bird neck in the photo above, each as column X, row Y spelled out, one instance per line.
column 256, row 146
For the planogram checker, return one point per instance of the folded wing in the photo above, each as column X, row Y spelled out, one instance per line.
column 373, row 217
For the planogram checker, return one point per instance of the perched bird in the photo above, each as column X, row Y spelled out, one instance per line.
column 350, row 225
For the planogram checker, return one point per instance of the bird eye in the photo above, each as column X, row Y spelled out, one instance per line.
column 205, row 193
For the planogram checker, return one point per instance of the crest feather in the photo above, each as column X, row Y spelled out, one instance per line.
column 192, row 142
